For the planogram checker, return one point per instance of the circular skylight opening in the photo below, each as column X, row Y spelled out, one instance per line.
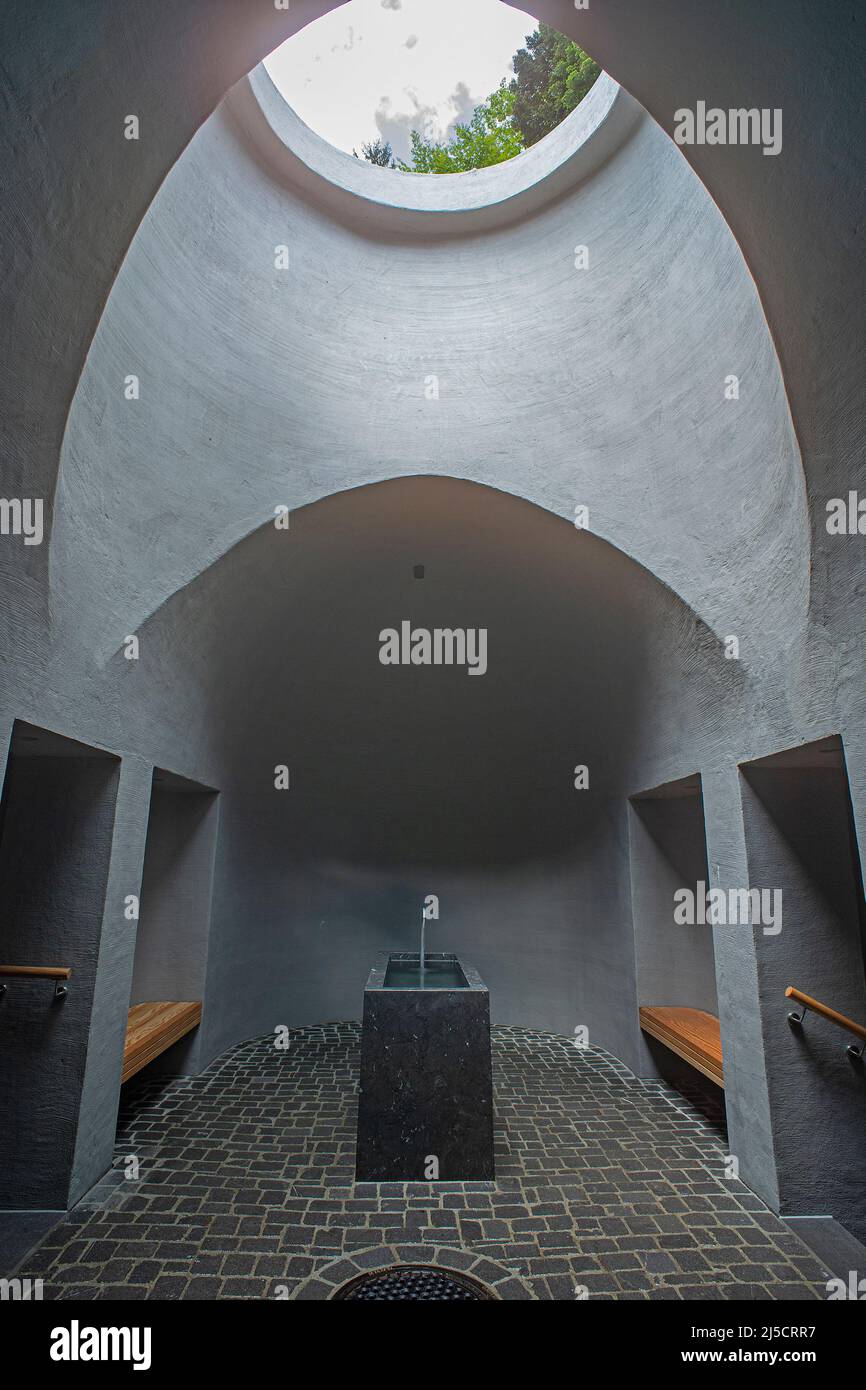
column 431, row 86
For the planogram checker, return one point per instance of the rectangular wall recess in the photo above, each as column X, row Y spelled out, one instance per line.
column 172, row 939
column 674, row 960
column 56, row 825
column 800, row 841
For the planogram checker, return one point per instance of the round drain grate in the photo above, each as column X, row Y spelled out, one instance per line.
column 413, row 1284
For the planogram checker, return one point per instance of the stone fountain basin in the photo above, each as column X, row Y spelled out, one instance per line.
column 425, row 1110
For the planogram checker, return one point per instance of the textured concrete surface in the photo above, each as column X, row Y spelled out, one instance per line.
column 835, row 1247
column 562, row 387
column 20, row 1232
column 97, row 1116
column 602, row 388
column 366, row 197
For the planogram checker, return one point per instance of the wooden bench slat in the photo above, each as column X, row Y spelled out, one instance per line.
column 153, row 1028
column 691, row 1033
column 709, row 1067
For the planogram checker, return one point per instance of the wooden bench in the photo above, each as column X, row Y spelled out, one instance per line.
column 152, row 1029
column 691, row 1034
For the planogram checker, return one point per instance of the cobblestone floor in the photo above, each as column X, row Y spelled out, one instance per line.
column 246, row 1189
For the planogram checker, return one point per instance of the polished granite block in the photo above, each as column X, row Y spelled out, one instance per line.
column 426, row 1083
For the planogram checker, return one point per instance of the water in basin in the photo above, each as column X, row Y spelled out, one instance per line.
column 438, row 974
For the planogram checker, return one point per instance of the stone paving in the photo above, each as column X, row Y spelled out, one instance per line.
column 607, row 1187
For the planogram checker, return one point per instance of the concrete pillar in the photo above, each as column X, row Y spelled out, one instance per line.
column 6, row 723
column 747, row 1101
column 854, row 745
column 97, row 1120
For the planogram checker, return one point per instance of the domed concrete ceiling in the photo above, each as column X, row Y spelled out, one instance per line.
column 425, row 339
column 796, row 216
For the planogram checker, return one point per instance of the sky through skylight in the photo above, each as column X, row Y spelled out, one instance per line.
column 381, row 68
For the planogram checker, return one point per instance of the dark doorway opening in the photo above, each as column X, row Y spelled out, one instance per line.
column 56, row 827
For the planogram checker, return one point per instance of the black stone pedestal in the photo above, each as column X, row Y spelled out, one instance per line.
column 426, row 1104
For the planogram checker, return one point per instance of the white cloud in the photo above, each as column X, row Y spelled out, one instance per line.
column 396, row 126
column 402, row 71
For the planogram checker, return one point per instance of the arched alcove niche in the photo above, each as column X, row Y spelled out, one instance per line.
column 414, row 779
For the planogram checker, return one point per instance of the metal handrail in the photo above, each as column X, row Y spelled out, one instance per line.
column 841, row 1021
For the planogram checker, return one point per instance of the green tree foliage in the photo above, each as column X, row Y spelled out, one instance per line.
column 489, row 138
column 551, row 75
column 378, row 151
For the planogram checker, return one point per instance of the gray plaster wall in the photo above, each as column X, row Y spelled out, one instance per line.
column 77, row 191
column 605, row 390
column 100, row 1095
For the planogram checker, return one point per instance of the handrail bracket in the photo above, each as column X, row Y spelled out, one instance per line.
column 806, row 1002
